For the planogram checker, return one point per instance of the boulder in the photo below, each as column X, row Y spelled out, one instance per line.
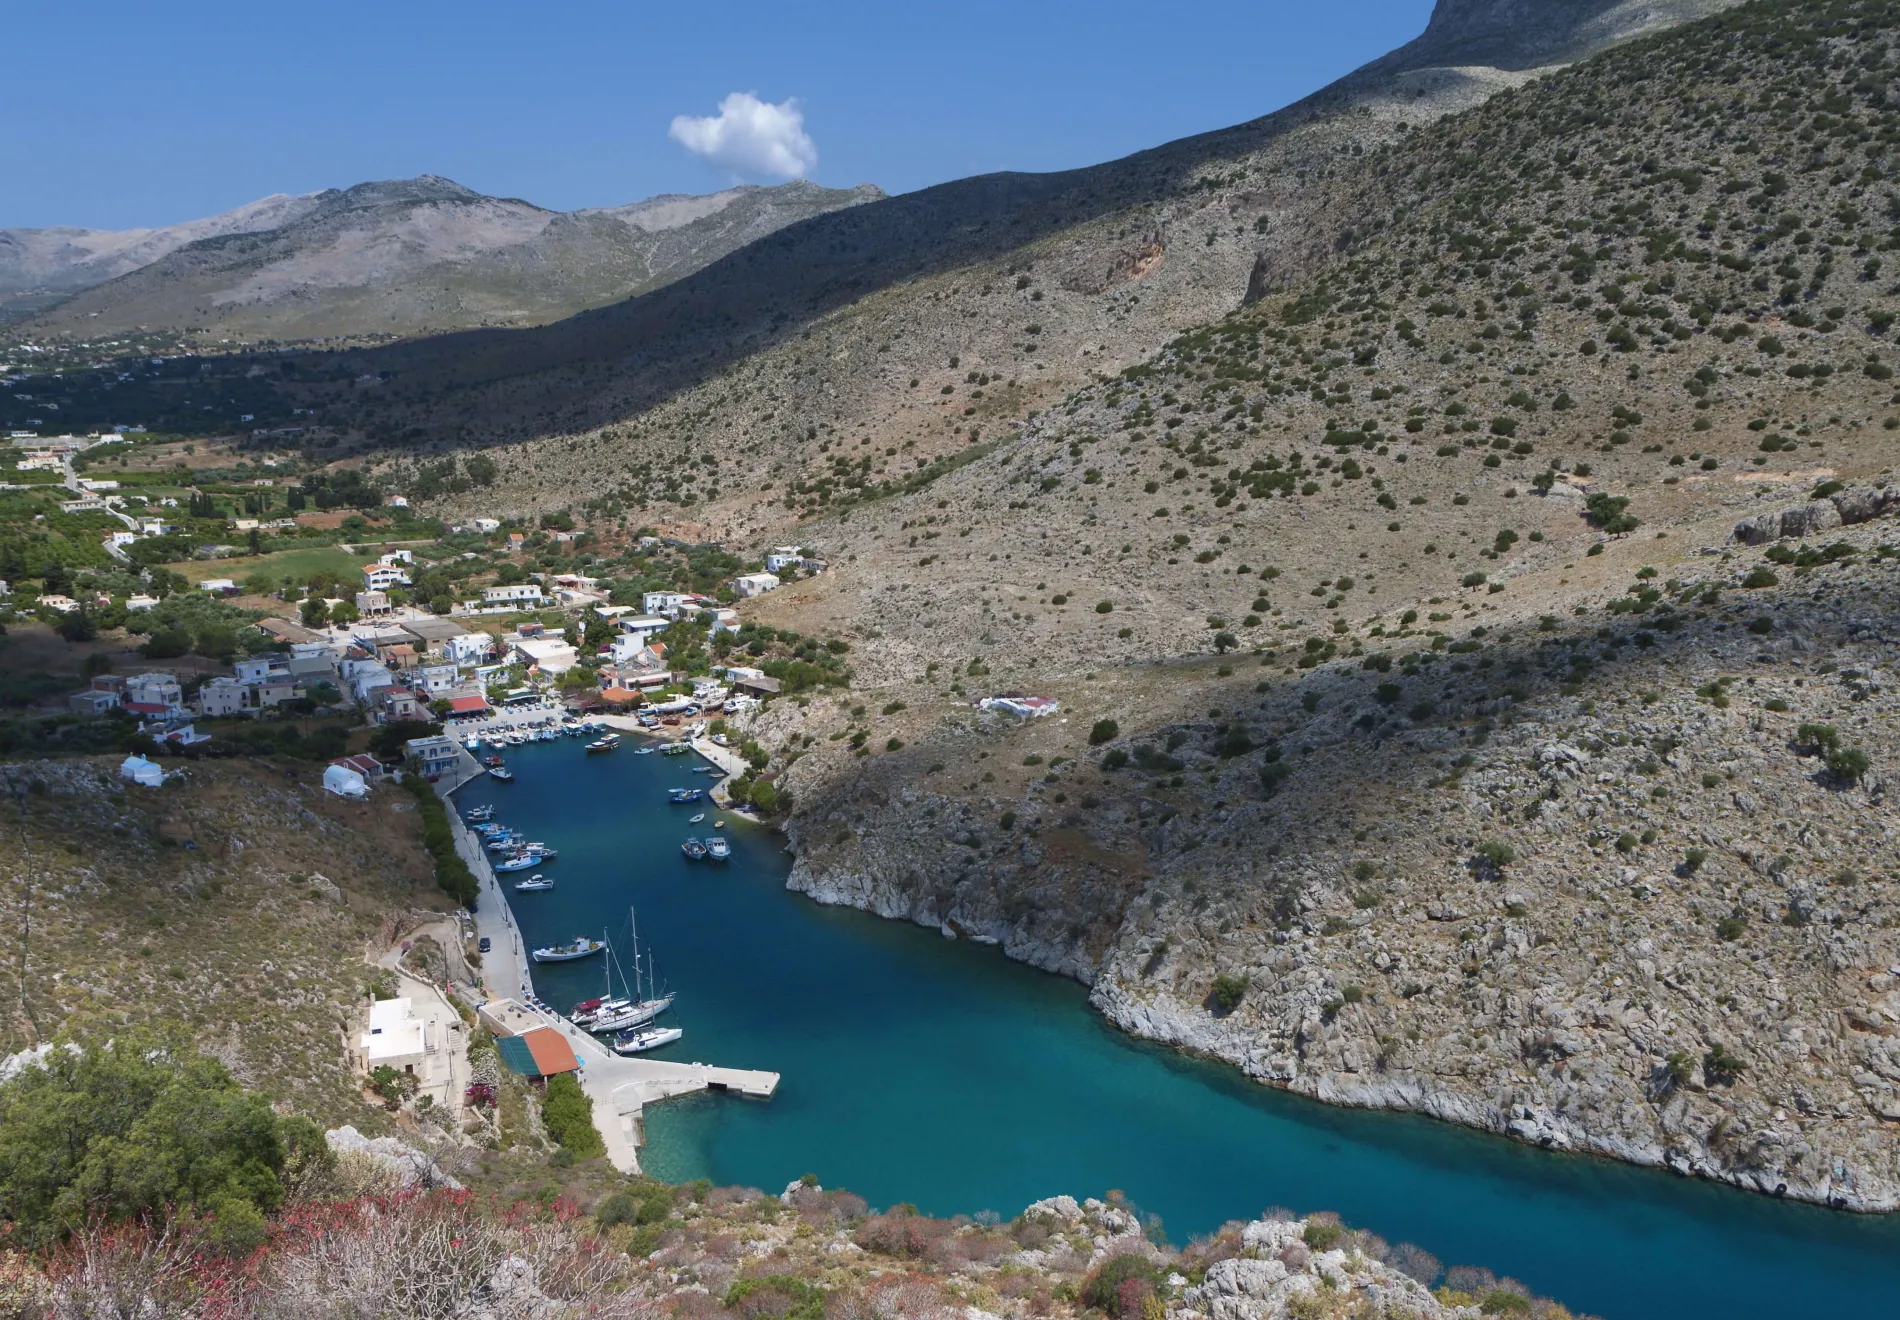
column 1759, row 530
column 1807, row 519
column 1864, row 503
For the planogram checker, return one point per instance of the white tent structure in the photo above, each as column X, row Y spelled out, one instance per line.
column 141, row 771
column 345, row 782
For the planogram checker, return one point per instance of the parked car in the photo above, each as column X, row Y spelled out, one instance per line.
column 487, row 945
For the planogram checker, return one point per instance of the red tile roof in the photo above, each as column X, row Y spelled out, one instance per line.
column 466, row 705
column 552, row 1054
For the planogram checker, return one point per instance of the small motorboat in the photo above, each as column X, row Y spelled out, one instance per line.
column 719, row 824
column 695, row 850
column 502, row 774
column 718, row 848
column 694, row 820
column 578, row 947
column 643, row 751
column 477, row 815
column 519, row 862
column 537, row 882
column 647, row 1038
column 675, row 749
column 492, row 761
column 685, row 794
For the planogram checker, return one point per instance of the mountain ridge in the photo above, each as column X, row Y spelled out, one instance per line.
column 384, row 257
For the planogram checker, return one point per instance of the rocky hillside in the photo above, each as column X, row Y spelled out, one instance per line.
column 1037, row 281
column 399, row 257
column 239, row 897
column 1472, row 651
column 39, row 267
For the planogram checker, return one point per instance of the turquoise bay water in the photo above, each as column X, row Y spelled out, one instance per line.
column 937, row 1072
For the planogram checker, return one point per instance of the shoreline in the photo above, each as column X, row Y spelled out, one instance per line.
column 620, row 1087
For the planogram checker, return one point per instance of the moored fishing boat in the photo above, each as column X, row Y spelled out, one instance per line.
column 609, row 743
column 502, row 773
column 578, row 947
column 685, row 794
column 718, row 849
column 519, row 862
column 694, row 850
column 534, row 884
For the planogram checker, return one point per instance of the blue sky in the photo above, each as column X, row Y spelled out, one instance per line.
column 143, row 114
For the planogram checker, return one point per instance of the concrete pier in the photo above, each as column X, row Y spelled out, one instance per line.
column 620, row 1087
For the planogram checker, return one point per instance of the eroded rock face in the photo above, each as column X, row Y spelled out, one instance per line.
column 1856, row 505
column 1683, row 951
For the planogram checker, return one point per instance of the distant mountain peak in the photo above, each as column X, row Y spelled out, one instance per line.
column 1528, row 34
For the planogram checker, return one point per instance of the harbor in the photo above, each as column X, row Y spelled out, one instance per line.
column 933, row 1071
column 619, row 1086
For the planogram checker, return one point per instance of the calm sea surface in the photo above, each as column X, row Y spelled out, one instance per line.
column 938, row 1072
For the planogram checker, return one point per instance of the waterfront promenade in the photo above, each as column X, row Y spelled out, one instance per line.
column 619, row 1087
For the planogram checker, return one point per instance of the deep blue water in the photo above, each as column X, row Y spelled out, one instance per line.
column 938, row 1072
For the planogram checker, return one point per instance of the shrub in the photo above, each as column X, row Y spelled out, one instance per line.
column 1760, row 577
column 569, row 1116
column 1847, row 764
column 901, row 1231
column 1227, row 993
column 452, row 875
column 138, row 1124
column 1114, row 759
column 630, row 1205
column 1104, row 607
column 1104, row 731
column 1493, row 855
column 1692, row 860
column 1107, row 1289
column 1817, row 739
column 1610, row 512
column 1732, row 927
column 777, row 1295
column 1719, row 1066
column 1321, row 1234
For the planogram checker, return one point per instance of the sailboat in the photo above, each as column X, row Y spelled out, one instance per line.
column 632, row 1009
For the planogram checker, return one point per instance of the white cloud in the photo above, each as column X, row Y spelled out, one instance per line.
column 750, row 136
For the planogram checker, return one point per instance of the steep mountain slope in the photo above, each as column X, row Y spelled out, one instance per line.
column 1475, row 743
column 41, row 266
column 1119, row 256
column 427, row 254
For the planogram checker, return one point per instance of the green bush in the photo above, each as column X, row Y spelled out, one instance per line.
column 1104, row 731
column 1321, row 1234
column 1847, row 764
column 1105, row 1289
column 139, row 1124
column 569, row 1117
column 1494, row 855
column 452, row 875
column 1227, row 993
column 777, row 1295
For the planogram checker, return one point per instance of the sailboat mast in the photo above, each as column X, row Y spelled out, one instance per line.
column 633, row 925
